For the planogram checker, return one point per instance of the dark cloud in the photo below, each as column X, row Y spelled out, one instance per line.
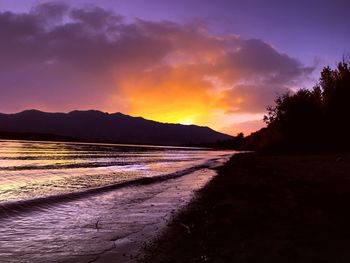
column 252, row 98
column 257, row 57
column 60, row 58
column 96, row 17
column 50, row 11
column 259, row 72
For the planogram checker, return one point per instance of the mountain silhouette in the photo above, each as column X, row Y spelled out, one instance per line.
column 98, row 126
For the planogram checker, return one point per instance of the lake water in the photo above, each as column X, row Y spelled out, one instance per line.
column 77, row 202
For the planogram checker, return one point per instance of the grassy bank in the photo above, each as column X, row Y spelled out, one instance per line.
column 265, row 209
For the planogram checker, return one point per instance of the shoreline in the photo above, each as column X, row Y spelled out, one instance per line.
column 264, row 209
column 108, row 227
column 116, row 144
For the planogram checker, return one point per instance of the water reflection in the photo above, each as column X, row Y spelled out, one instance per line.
column 84, row 229
column 38, row 169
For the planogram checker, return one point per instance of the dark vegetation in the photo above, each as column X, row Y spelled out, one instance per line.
column 314, row 120
column 236, row 142
column 308, row 121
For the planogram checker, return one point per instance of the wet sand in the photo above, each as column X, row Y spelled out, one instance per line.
column 265, row 209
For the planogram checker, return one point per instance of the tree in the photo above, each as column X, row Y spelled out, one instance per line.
column 316, row 118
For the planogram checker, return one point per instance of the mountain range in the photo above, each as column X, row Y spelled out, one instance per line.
column 97, row 126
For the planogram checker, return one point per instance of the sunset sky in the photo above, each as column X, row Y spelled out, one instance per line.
column 214, row 63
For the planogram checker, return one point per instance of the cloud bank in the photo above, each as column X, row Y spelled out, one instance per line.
column 60, row 58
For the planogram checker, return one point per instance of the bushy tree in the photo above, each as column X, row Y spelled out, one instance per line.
column 314, row 119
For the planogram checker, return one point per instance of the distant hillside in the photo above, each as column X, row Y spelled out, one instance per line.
column 103, row 127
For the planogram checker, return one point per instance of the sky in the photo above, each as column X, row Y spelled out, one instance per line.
column 211, row 63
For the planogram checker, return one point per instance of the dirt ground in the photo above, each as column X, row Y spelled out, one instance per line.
column 265, row 209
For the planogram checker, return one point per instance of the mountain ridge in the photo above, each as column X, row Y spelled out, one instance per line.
column 94, row 125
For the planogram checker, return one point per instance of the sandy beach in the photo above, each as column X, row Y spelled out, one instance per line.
column 265, row 209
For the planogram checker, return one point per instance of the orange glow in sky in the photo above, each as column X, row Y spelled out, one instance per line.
column 161, row 70
column 181, row 95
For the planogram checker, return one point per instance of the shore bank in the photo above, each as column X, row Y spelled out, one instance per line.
column 265, row 209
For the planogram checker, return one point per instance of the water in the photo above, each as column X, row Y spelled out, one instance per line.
column 65, row 202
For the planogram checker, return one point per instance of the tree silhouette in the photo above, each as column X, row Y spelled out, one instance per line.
column 312, row 120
